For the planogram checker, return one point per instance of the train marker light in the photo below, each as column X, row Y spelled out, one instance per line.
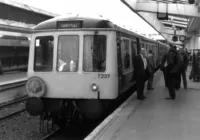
column 94, row 87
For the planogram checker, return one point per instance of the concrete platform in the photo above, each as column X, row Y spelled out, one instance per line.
column 12, row 81
column 12, row 78
column 155, row 118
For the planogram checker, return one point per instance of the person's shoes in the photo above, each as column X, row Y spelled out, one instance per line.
column 141, row 98
column 170, row 98
column 177, row 88
column 144, row 97
column 150, row 88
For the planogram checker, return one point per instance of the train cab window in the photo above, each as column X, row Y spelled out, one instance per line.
column 68, row 53
column 43, row 53
column 94, row 53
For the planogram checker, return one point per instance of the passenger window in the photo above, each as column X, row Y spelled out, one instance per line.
column 68, row 53
column 94, row 53
column 126, row 54
column 43, row 53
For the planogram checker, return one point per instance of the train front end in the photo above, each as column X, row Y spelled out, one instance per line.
column 72, row 69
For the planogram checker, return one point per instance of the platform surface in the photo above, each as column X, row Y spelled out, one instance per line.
column 15, row 93
column 13, row 77
column 157, row 118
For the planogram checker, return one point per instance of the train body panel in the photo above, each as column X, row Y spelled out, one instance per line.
column 79, row 85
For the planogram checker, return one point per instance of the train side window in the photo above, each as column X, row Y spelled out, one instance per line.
column 68, row 53
column 43, row 53
column 94, row 53
column 142, row 45
column 126, row 54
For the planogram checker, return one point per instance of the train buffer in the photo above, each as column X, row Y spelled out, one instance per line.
column 155, row 118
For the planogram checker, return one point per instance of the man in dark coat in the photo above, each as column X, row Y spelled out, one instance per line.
column 141, row 73
column 173, row 70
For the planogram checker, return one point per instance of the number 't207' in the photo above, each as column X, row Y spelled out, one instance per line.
column 103, row 76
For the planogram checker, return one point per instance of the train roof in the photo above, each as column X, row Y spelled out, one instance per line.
column 64, row 22
column 73, row 22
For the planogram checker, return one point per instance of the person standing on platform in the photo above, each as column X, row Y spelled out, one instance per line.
column 163, row 66
column 140, row 73
column 151, row 66
column 172, row 71
column 180, row 59
column 184, row 67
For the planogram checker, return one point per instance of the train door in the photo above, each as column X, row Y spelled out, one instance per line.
column 119, row 61
column 133, row 55
column 138, row 45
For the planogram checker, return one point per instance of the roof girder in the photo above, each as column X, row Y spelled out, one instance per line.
column 184, row 10
column 147, row 11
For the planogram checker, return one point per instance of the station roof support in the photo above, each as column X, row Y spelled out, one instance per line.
column 179, row 15
column 184, row 10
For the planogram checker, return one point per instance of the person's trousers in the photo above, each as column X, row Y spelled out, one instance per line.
column 140, row 81
column 171, row 82
column 150, row 82
column 178, row 81
column 183, row 74
column 165, row 76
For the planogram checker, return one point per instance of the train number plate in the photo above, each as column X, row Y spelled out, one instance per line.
column 103, row 76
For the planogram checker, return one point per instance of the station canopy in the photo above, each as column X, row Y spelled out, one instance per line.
column 175, row 20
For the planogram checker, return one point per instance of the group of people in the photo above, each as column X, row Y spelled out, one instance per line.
column 173, row 64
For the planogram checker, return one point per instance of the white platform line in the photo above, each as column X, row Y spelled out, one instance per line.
column 13, row 81
column 108, row 120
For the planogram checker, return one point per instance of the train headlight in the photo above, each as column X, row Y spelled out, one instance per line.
column 35, row 87
column 94, row 87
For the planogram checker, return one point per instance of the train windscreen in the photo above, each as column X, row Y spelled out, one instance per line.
column 94, row 53
column 43, row 53
column 68, row 53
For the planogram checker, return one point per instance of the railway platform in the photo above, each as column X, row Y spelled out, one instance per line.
column 10, row 81
column 155, row 118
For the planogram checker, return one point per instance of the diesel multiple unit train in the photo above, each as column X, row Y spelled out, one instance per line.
column 79, row 66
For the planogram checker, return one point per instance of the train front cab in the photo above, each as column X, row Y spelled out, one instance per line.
column 80, row 66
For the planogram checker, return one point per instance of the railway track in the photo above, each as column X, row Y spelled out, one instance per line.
column 13, row 107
